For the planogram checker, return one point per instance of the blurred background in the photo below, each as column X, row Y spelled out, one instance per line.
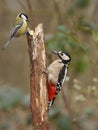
column 69, row 25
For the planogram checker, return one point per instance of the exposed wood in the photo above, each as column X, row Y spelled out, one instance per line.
column 38, row 91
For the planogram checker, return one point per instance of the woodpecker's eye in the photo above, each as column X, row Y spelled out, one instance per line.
column 62, row 54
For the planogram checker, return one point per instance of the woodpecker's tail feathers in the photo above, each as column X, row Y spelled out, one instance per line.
column 50, row 103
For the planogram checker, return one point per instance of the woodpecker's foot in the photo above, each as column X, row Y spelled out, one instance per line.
column 45, row 71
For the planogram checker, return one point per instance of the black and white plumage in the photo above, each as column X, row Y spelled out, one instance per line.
column 57, row 71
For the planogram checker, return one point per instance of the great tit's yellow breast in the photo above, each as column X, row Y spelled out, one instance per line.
column 22, row 30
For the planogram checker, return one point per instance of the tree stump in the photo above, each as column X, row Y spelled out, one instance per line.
column 38, row 90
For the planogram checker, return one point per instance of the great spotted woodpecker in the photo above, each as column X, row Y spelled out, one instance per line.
column 56, row 74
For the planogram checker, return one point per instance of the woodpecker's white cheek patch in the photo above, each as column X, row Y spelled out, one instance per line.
column 65, row 57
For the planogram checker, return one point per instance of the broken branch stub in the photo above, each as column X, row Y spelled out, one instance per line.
column 38, row 90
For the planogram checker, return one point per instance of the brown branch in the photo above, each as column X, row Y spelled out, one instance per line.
column 29, row 4
column 30, row 12
column 38, row 91
column 68, row 107
column 22, row 5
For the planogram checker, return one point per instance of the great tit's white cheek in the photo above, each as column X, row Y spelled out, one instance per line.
column 24, row 17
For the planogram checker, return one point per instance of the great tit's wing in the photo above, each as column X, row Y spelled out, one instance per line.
column 15, row 29
column 13, row 33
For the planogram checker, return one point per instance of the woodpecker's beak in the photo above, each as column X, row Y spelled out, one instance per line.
column 55, row 52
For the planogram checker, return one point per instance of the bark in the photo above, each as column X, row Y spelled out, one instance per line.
column 38, row 91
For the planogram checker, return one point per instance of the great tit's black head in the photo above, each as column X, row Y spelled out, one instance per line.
column 23, row 16
column 64, row 56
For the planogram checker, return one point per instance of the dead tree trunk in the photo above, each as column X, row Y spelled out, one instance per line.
column 38, row 91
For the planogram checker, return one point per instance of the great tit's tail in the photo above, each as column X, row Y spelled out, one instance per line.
column 13, row 34
column 7, row 43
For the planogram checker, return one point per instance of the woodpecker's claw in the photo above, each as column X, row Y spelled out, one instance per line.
column 45, row 71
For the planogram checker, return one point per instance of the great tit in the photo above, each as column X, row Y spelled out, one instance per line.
column 20, row 28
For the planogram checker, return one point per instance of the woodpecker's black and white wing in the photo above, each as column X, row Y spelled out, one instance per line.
column 61, row 78
column 57, row 71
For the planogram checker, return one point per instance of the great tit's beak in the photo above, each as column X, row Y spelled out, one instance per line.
column 28, row 20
